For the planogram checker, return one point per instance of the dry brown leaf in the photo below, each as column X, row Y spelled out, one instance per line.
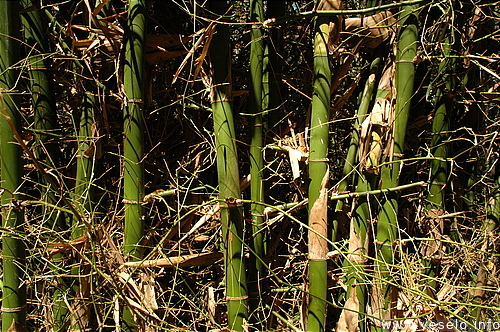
column 329, row 5
column 80, row 311
column 434, row 224
column 357, row 249
column 206, row 217
column 211, row 304
column 139, row 307
column 376, row 132
column 371, row 31
column 179, row 261
column 318, row 221
column 16, row 327
column 77, row 244
column 349, row 318
column 147, row 285
column 205, row 37
column 206, row 47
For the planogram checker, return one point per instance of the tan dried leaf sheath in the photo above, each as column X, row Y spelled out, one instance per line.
column 318, row 244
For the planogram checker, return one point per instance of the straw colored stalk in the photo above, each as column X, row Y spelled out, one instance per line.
column 387, row 226
column 228, row 174
column 13, row 248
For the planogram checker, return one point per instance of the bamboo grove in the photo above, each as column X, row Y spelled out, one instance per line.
column 253, row 165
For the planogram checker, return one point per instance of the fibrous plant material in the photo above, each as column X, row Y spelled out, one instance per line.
column 387, row 226
column 319, row 173
column 13, row 247
column 228, row 174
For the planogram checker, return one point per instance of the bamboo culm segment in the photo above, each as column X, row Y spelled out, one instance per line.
column 387, row 226
column 45, row 123
column 256, row 159
column 13, row 247
column 133, row 127
column 319, row 174
column 228, row 174
column 351, row 159
column 133, row 132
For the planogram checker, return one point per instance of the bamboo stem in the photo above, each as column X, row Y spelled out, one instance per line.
column 133, row 132
column 13, row 247
column 45, row 123
column 228, row 173
column 387, row 226
column 319, row 175
column 256, row 159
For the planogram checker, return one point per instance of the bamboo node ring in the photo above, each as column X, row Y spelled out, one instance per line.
column 139, row 101
column 17, row 309
column 126, row 201
column 233, row 202
column 236, row 298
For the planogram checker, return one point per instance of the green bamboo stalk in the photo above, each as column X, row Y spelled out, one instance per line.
column 13, row 248
column 352, row 153
column 133, row 173
column 256, row 158
column 45, row 122
column 228, row 174
column 355, row 262
column 133, row 132
column 440, row 125
column 387, row 226
column 83, row 191
column 85, row 160
column 439, row 172
column 319, row 174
